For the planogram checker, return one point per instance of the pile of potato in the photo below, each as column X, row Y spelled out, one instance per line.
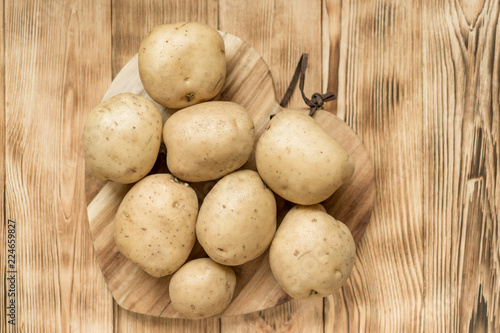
column 183, row 66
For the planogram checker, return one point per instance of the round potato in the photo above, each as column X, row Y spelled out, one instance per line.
column 182, row 64
column 122, row 137
column 155, row 224
column 312, row 254
column 299, row 161
column 237, row 220
column 208, row 140
column 202, row 288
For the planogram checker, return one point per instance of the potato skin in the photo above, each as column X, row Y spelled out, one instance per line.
column 299, row 161
column 121, row 138
column 155, row 224
column 182, row 64
column 208, row 140
column 312, row 254
column 237, row 219
column 202, row 288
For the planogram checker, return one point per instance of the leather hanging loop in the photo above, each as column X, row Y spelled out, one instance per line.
column 317, row 100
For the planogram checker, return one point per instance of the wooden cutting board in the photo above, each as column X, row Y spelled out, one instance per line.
column 249, row 83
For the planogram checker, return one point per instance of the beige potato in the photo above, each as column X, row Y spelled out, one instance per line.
column 208, row 140
column 312, row 254
column 299, row 161
column 155, row 224
column 182, row 64
column 121, row 138
column 237, row 219
column 202, row 288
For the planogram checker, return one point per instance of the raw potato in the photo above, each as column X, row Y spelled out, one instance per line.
column 237, row 220
column 182, row 64
column 208, row 140
column 312, row 254
column 202, row 288
column 155, row 224
column 299, row 161
column 121, row 138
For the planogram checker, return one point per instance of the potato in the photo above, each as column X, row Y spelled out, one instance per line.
column 299, row 161
column 208, row 140
column 237, row 219
column 312, row 254
column 202, row 288
column 155, row 224
column 121, row 138
column 182, row 64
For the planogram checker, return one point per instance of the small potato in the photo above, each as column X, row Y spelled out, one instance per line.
column 155, row 224
column 182, row 64
column 202, row 288
column 299, row 161
column 208, row 140
column 121, row 138
column 312, row 254
column 237, row 220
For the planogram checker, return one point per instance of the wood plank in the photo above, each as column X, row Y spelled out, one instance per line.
column 86, row 312
column 6, row 242
column 131, row 20
column 461, row 112
column 380, row 97
column 280, row 32
column 458, row 103
column 54, row 66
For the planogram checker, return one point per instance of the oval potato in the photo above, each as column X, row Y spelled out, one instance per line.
column 312, row 254
column 121, row 138
column 208, row 140
column 202, row 288
column 237, row 219
column 299, row 161
column 182, row 64
column 155, row 224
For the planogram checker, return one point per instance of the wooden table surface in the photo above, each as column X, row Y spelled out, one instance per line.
column 418, row 81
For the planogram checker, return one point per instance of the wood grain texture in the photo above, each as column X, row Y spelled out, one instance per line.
column 380, row 97
column 4, row 234
column 132, row 20
column 417, row 81
column 461, row 77
column 419, row 84
column 280, row 31
column 131, row 322
column 53, row 55
column 332, row 14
